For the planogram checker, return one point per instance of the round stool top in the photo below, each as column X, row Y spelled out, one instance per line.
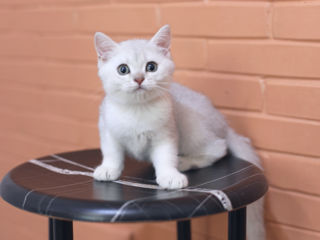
column 62, row 186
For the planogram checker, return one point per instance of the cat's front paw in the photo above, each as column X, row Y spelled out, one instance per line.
column 172, row 180
column 105, row 173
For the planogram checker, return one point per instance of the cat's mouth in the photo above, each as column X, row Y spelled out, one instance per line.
column 140, row 88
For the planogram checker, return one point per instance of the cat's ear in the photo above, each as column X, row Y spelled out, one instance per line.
column 163, row 38
column 104, row 45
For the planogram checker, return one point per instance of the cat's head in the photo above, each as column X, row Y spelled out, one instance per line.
column 135, row 70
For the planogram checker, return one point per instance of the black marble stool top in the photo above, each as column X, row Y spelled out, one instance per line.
column 62, row 186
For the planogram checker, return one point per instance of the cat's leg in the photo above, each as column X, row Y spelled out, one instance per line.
column 205, row 156
column 255, row 221
column 164, row 159
column 113, row 158
column 217, row 148
column 193, row 162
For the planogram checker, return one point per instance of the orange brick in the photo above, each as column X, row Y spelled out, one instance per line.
column 32, row 2
column 293, row 98
column 124, row 37
column 46, row 19
column 75, row 106
column 71, row 48
column 272, row 133
column 153, row 1
column 218, row 226
column 295, row 209
column 189, row 53
column 25, row 146
column 167, row 230
column 31, row 226
column 21, row 99
column 283, row 232
column 66, row 76
column 6, row 19
column 292, row 172
column 14, row 45
column 82, row 230
column 139, row 19
column 52, row 128
column 217, row 19
column 51, row 103
column 297, row 20
column 225, row 90
column 64, row 47
column 268, row 58
column 8, row 161
column 86, row 230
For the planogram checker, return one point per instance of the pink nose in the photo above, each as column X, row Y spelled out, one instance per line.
column 139, row 80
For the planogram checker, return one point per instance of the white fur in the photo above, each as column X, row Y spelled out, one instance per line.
column 172, row 126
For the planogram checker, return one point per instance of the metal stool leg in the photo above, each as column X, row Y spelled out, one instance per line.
column 60, row 229
column 184, row 230
column 237, row 224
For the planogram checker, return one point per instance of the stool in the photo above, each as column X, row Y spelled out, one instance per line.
column 61, row 187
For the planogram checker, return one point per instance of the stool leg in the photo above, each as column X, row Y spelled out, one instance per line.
column 237, row 224
column 51, row 229
column 60, row 229
column 184, row 230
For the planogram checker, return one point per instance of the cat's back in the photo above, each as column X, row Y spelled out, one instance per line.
column 194, row 110
column 189, row 98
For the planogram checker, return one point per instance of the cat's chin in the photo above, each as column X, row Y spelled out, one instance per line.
column 145, row 95
column 140, row 89
column 138, row 96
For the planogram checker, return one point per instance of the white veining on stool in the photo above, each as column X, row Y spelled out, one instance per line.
column 243, row 179
column 223, row 198
column 72, row 162
column 141, row 185
column 25, row 198
column 217, row 179
column 57, row 195
column 175, row 206
column 59, row 170
column 126, row 204
column 46, row 188
column 220, row 195
column 200, row 205
column 140, row 179
column 49, row 160
column 89, row 174
column 152, row 186
column 49, row 204
column 119, row 211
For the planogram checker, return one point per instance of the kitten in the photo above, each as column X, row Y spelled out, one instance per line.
column 147, row 116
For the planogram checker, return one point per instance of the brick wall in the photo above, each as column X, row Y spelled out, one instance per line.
column 257, row 61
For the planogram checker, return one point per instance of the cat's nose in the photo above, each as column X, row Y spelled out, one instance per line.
column 139, row 80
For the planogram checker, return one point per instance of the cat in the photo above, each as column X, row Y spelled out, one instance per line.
column 149, row 117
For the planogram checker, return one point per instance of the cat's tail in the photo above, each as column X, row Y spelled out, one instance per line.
column 241, row 148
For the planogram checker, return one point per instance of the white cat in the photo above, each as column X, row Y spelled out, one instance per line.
column 147, row 116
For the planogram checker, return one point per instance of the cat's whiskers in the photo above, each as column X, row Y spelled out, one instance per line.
column 157, row 85
column 162, row 88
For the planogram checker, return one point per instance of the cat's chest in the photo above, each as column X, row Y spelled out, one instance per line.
column 138, row 122
column 138, row 144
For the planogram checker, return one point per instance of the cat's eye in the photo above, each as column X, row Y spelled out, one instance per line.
column 123, row 69
column 151, row 67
